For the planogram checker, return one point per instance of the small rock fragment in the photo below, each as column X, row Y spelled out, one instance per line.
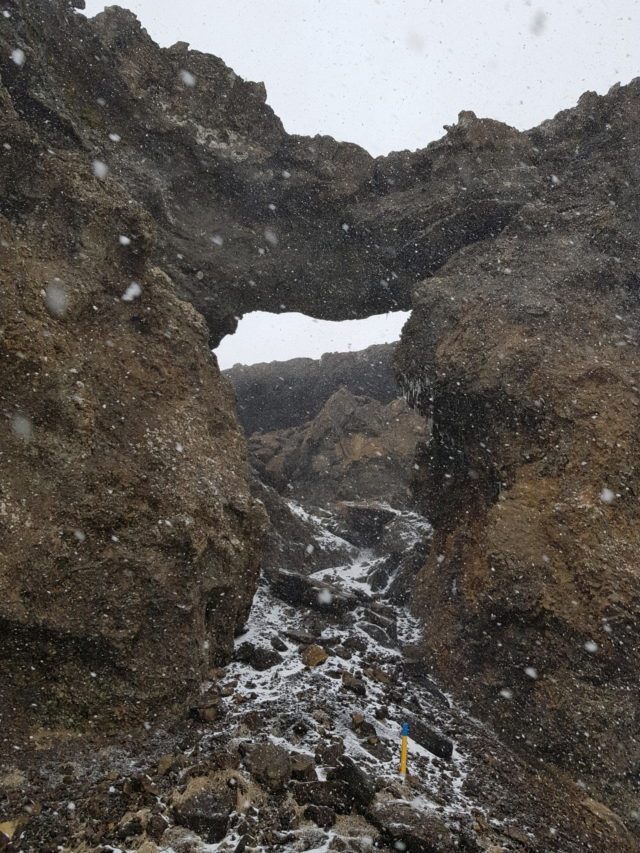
column 314, row 655
column 355, row 685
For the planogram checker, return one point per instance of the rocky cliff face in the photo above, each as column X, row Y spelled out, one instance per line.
column 524, row 351
column 157, row 175
column 285, row 394
column 355, row 449
column 130, row 544
column 247, row 216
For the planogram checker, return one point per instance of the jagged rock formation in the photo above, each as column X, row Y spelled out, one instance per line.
column 353, row 461
column 285, row 394
column 524, row 351
column 129, row 542
column 355, row 449
column 522, row 348
column 247, row 216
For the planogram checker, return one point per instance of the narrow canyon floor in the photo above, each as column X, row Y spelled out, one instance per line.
column 294, row 746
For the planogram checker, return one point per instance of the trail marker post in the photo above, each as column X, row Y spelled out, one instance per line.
column 404, row 750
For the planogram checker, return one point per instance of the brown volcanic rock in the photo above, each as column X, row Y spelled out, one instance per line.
column 247, row 216
column 356, row 448
column 129, row 541
column 522, row 347
column 283, row 394
column 524, row 351
column 207, row 160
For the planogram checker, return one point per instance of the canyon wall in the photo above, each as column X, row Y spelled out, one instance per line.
column 521, row 253
column 284, row 394
column 524, row 352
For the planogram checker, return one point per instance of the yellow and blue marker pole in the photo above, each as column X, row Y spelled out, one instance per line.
column 404, row 750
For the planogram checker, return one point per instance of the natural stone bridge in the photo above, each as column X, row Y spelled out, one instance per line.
column 130, row 543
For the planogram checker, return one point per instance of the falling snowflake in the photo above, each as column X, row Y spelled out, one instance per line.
column 531, row 672
column 22, row 427
column 506, row 693
column 415, row 42
column 271, row 237
column 56, row 300
column 187, row 78
column 591, row 646
column 325, row 597
column 18, row 56
column 100, row 169
column 115, row 137
column 132, row 292
column 124, row 240
column 607, row 496
column 538, row 23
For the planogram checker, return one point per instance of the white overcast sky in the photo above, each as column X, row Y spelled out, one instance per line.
column 388, row 74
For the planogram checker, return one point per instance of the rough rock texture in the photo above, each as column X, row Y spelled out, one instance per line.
column 129, row 543
column 240, row 206
column 355, row 449
column 294, row 539
column 249, row 217
column 522, row 348
column 524, row 352
column 283, row 394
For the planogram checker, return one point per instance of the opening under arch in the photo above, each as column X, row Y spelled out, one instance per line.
column 265, row 337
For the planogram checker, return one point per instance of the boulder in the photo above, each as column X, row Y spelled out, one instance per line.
column 314, row 655
column 366, row 521
column 259, row 657
column 378, row 634
column 270, row 764
column 334, row 795
column 323, row 816
column 296, row 589
column 328, row 753
column 361, row 788
column 405, row 828
column 354, row 684
column 424, row 735
column 303, row 767
column 205, row 807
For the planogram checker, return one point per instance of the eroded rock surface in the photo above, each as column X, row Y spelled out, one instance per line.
column 302, row 754
column 524, row 352
column 522, row 348
column 355, row 449
column 249, row 217
column 283, row 394
column 129, row 541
